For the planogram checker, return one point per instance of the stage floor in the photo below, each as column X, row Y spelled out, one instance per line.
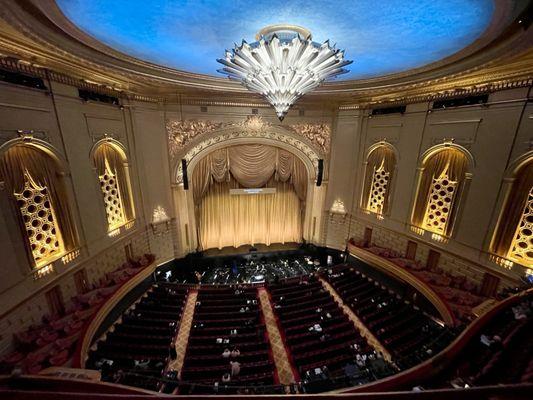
column 245, row 249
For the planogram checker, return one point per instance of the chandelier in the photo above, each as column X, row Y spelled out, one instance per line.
column 283, row 64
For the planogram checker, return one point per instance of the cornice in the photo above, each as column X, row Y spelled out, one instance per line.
column 36, row 32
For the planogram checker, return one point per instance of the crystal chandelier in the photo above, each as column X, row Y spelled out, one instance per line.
column 283, row 64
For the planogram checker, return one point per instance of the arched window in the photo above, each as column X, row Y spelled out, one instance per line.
column 379, row 170
column 111, row 167
column 35, row 181
column 441, row 182
column 513, row 238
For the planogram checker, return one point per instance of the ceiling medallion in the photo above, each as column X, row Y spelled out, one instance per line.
column 283, row 64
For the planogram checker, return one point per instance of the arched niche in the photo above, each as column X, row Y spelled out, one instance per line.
column 61, row 208
column 368, row 180
column 123, row 185
column 462, row 188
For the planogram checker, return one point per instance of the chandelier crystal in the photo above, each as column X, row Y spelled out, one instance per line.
column 283, row 64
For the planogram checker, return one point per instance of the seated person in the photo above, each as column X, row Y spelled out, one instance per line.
column 235, row 368
column 226, row 353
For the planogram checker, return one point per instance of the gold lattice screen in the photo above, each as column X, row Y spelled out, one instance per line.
column 378, row 190
column 522, row 246
column 440, row 203
column 112, row 199
column 39, row 220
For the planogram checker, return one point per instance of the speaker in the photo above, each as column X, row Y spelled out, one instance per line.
column 184, row 174
column 320, row 171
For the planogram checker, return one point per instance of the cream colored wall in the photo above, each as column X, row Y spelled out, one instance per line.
column 72, row 127
column 495, row 134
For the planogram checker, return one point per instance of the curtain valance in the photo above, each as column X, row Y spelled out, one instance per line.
column 252, row 166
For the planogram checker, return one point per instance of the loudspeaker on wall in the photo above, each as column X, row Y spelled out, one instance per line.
column 184, row 174
column 320, row 172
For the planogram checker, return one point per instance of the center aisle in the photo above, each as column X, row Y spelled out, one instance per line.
column 182, row 338
column 281, row 359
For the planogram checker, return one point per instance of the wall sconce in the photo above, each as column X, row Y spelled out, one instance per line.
column 43, row 271
column 338, row 207
column 160, row 217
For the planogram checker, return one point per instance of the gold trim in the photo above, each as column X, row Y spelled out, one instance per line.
column 392, row 269
column 107, row 307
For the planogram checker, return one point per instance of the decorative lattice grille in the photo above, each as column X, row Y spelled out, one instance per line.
column 40, row 222
column 522, row 246
column 440, row 203
column 112, row 199
column 378, row 190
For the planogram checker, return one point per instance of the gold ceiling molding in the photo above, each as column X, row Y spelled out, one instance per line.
column 181, row 133
column 50, row 46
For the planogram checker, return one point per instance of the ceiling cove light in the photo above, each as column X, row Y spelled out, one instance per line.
column 283, row 64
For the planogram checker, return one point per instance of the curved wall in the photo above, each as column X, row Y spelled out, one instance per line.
column 496, row 134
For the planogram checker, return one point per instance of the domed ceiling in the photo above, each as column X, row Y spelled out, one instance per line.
column 381, row 37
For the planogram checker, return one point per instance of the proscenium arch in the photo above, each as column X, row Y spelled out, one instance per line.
column 311, row 173
column 271, row 135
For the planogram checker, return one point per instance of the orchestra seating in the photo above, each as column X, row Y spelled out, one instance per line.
column 227, row 318
column 404, row 330
column 136, row 351
column 300, row 305
column 458, row 291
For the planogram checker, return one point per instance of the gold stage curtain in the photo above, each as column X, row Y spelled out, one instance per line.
column 513, row 210
column 456, row 162
column 252, row 166
column 235, row 220
column 380, row 155
column 45, row 172
column 107, row 152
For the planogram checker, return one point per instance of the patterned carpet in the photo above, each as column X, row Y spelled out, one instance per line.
column 279, row 352
column 182, row 337
column 363, row 330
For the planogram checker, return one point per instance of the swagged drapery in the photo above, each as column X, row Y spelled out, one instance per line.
column 107, row 152
column 455, row 163
column 380, row 156
column 513, row 211
column 234, row 220
column 44, row 172
column 252, row 166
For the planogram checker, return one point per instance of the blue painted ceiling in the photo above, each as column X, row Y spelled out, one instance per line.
column 380, row 36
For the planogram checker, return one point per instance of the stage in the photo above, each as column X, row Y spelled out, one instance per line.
column 245, row 249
